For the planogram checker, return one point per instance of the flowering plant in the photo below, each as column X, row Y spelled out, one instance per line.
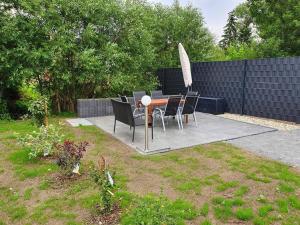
column 42, row 142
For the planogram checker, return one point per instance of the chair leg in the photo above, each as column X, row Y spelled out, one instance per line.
column 178, row 121
column 115, row 126
column 194, row 115
column 181, row 121
column 133, row 133
column 163, row 121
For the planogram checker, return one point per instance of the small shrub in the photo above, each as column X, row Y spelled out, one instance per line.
column 42, row 142
column 104, row 181
column 69, row 155
column 39, row 111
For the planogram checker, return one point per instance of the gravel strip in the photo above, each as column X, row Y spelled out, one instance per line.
column 276, row 124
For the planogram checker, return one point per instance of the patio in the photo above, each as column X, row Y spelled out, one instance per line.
column 210, row 129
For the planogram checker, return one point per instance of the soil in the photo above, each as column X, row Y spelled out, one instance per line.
column 110, row 218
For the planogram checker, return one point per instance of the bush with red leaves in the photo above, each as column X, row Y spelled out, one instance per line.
column 69, row 155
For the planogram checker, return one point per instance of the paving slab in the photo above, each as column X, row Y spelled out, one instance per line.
column 79, row 122
column 280, row 145
column 210, row 128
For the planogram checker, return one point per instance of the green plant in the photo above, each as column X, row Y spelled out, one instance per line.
column 42, row 142
column 39, row 110
column 4, row 114
column 104, row 181
column 69, row 156
column 241, row 191
column 206, row 222
column 264, row 210
column 159, row 210
column 204, row 209
column 244, row 213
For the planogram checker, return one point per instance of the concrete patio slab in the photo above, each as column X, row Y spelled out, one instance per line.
column 280, row 145
column 79, row 122
column 210, row 129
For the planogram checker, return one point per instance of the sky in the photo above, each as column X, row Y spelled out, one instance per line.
column 215, row 12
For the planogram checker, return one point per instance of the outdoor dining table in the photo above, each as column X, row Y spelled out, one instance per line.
column 157, row 103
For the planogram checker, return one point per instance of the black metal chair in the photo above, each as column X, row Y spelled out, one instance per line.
column 192, row 93
column 137, row 96
column 124, row 98
column 189, row 107
column 157, row 94
column 123, row 113
column 171, row 109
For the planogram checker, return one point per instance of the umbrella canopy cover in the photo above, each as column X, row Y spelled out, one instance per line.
column 185, row 65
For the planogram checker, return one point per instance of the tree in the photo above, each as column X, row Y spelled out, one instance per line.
column 244, row 23
column 278, row 25
column 73, row 49
column 230, row 35
column 176, row 24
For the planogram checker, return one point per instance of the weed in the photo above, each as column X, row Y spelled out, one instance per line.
column 244, row 214
column 204, row 209
column 159, row 210
column 241, row 191
column 222, row 212
column 264, row 210
column 28, row 194
column 226, row 185
column 206, row 222
column 294, row 202
column 283, row 205
column 193, row 184
column 285, row 188
column 255, row 177
column 44, row 185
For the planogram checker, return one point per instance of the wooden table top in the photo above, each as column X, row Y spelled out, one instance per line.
column 159, row 102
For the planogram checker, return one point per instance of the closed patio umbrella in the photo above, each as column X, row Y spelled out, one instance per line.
column 185, row 66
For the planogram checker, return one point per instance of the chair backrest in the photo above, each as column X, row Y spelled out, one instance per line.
column 192, row 93
column 137, row 96
column 156, row 94
column 124, row 98
column 123, row 112
column 190, row 104
column 172, row 105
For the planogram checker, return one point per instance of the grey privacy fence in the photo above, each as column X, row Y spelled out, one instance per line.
column 264, row 87
column 95, row 107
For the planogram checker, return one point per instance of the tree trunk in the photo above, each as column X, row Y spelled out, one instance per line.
column 58, row 108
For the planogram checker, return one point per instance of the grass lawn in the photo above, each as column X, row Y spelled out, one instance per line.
column 209, row 184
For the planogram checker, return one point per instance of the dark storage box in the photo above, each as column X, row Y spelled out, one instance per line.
column 211, row 105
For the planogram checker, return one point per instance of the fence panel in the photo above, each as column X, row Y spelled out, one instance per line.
column 264, row 87
column 272, row 88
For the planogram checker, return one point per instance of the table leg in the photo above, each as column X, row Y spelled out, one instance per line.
column 150, row 111
column 186, row 118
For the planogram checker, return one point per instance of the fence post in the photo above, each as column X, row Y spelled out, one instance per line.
column 244, row 86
